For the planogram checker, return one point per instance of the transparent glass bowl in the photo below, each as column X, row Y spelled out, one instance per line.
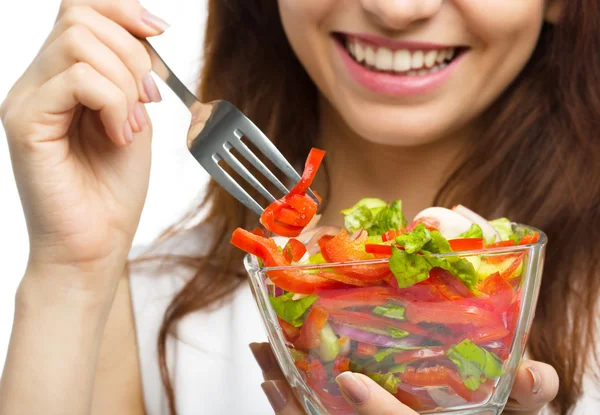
column 427, row 381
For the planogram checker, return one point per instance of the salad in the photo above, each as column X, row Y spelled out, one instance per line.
column 427, row 308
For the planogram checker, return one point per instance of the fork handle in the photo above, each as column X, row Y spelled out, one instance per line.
column 166, row 74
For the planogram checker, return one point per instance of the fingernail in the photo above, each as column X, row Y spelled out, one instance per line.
column 128, row 132
column 140, row 116
column 133, row 122
column 353, row 387
column 154, row 22
column 537, row 380
column 263, row 357
column 151, row 88
column 277, row 397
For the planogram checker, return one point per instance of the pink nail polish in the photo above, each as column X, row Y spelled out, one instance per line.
column 354, row 388
column 154, row 22
column 151, row 88
column 537, row 380
column 140, row 116
column 128, row 132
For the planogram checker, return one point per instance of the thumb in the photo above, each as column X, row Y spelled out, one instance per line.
column 536, row 384
column 368, row 398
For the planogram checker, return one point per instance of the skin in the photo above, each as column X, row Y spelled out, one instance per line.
column 80, row 144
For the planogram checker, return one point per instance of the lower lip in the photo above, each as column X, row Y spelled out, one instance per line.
column 396, row 84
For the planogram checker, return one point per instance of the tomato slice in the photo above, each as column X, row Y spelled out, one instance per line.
column 294, row 250
column 421, row 354
column 342, row 248
column 289, row 280
column 308, row 337
column 466, row 244
column 315, row 372
column 289, row 215
column 438, row 376
column 365, row 349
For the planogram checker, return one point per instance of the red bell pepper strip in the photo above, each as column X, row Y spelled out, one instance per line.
column 421, row 354
column 356, row 297
column 501, row 244
column 309, row 332
column 430, row 223
column 358, row 319
column 315, row 372
column 290, row 332
column 289, row 215
column 451, row 313
column 530, row 239
column 340, row 365
column 365, row 349
column 290, row 280
column 385, row 250
column 499, row 290
column 294, row 250
column 389, row 235
column 342, row 248
column 438, row 376
column 466, row 244
column 447, row 285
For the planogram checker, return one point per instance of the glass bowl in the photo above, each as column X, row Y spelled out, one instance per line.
column 436, row 346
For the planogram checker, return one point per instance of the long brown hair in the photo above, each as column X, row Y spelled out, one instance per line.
column 539, row 144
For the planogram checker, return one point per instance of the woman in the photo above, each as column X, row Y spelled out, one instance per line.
column 505, row 126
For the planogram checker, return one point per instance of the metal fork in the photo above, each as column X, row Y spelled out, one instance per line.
column 218, row 127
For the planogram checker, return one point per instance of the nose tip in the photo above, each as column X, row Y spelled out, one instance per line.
column 398, row 14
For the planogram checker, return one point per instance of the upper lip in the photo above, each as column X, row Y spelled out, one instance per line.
column 381, row 41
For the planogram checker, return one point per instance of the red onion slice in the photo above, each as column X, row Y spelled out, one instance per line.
column 377, row 339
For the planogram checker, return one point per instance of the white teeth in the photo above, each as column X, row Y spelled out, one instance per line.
column 417, row 59
column 359, row 52
column 402, row 60
column 430, row 58
column 384, row 59
column 410, row 63
column 370, row 56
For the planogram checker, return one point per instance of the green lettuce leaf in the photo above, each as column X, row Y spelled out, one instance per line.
column 504, row 227
column 415, row 240
column 410, row 269
column 291, row 310
column 474, row 363
column 391, row 311
column 374, row 216
column 382, row 354
column 474, row 232
column 386, row 380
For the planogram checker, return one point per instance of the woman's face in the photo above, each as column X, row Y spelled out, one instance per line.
column 408, row 72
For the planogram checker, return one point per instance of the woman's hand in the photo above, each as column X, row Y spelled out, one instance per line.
column 535, row 386
column 79, row 139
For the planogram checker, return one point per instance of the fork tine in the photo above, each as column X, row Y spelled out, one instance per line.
column 240, row 169
column 259, row 165
column 229, row 184
column 268, row 149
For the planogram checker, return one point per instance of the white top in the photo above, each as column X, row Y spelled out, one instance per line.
column 213, row 370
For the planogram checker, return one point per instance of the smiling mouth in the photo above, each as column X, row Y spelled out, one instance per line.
column 399, row 61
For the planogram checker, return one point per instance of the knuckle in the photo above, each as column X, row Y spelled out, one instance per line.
column 73, row 16
column 75, row 37
column 79, row 73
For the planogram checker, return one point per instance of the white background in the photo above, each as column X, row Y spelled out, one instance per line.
column 176, row 180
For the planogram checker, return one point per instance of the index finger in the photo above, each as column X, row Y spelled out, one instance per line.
column 127, row 13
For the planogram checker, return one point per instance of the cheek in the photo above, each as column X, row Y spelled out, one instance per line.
column 310, row 10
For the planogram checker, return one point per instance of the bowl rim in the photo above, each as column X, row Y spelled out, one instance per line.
column 251, row 267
